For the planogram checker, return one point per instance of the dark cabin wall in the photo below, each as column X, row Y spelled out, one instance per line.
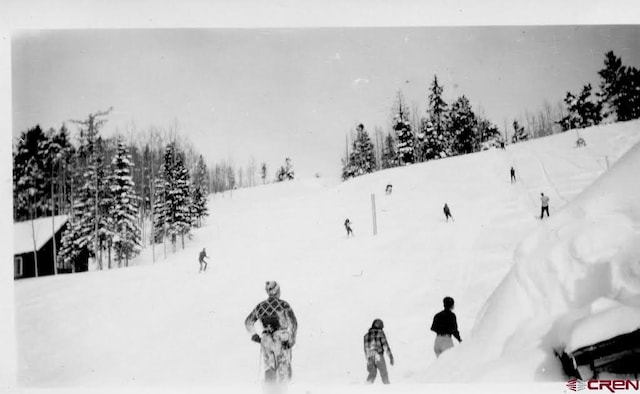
column 28, row 268
column 45, row 258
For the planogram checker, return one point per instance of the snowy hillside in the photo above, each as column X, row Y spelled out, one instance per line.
column 512, row 275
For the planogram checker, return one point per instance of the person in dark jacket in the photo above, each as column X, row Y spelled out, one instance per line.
column 445, row 325
column 347, row 225
column 375, row 345
column 280, row 326
column 201, row 258
column 513, row 175
column 447, row 212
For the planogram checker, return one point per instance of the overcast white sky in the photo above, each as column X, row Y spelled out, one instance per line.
column 272, row 93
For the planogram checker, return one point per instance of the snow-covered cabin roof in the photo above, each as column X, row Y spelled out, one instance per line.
column 42, row 228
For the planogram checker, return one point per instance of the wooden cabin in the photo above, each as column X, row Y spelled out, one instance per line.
column 35, row 240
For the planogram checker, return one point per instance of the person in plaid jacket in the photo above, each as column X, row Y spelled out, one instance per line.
column 280, row 326
column 375, row 345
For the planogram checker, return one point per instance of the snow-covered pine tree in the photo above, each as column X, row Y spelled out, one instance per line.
column 29, row 178
column 169, row 185
column 64, row 162
column 124, row 209
column 84, row 234
column 199, row 192
column 464, row 127
column 487, row 131
column 159, row 209
column 286, row 173
column 72, row 255
column 362, row 159
column 402, row 129
column 518, row 133
column 389, row 154
column 438, row 139
column 181, row 197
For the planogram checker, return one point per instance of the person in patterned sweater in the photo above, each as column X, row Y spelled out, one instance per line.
column 375, row 344
column 280, row 326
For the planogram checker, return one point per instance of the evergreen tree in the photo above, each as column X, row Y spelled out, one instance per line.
column 487, row 131
column 200, row 191
column 464, row 127
column 263, row 172
column 181, row 197
column 123, row 210
column 64, row 161
column 619, row 89
column 518, row 133
column 30, row 180
column 389, row 153
column 582, row 112
column 402, row 129
column 159, row 209
column 438, row 141
column 85, row 234
column 362, row 159
column 285, row 173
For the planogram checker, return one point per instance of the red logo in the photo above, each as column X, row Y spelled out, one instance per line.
column 610, row 385
column 576, row 385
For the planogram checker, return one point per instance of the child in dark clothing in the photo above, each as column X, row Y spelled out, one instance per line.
column 447, row 212
column 445, row 325
column 347, row 225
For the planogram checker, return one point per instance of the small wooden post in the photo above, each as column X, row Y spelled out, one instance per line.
column 373, row 213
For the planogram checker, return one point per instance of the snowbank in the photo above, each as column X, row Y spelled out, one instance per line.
column 575, row 281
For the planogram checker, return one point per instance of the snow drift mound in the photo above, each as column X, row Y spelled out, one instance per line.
column 575, row 281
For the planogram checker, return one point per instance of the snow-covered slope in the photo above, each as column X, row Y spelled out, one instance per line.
column 575, row 282
column 164, row 324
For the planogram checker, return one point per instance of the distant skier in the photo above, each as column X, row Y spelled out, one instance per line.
column 447, row 212
column 445, row 325
column 201, row 258
column 513, row 175
column 278, row 336
column 347, row 225
column 544, row 205
column 375, row 344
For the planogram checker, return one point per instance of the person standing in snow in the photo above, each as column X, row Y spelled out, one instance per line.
column 447, row 212
column 347, row 225
column 445, row 325
column 545, row 205
column 280, row 326
column 201, row 258
column 513, row 175
column 375, row 345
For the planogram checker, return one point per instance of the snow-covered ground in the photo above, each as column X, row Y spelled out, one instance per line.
column 522, row 286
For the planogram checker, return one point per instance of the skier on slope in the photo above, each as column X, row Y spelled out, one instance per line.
column 513, row 175
column 201, row 259
column 280, row 326
column 375, row 344
column 347, row 225
column 447, row 212
column 445, row 325
column 544, row 200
